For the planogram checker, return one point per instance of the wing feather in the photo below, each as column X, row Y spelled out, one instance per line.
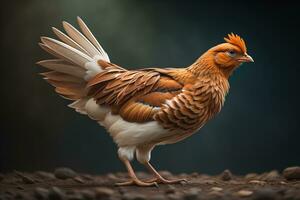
column 135, row 95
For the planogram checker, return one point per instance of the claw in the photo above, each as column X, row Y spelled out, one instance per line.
column 166, row 181
column 137, row 182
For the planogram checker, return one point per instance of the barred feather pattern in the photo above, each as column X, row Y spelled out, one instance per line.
column 197, row 104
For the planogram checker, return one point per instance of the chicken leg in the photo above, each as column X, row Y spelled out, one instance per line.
column 158, row 178
column 133, row 178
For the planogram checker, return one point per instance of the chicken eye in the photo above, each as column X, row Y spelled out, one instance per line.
column 231, row 53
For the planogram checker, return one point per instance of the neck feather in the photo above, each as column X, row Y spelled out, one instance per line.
column 205, row 65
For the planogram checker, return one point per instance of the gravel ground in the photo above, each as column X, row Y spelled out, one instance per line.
column 64, row 183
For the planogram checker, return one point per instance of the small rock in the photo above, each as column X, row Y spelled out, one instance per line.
column 87, row 177
column 24, row 178
column 192, row 194
column 175, row 196
column 134, row 196
column 215, row 193
column 194, row 174
column 251, row 176
column 217, row 189
column 88, row 194
column 271, row 176
column 75, row 196
column 157, row 197
column 27, row 180
column 20, row 187
column 1, row 177
column 112, row 176
column 264, row 194
column 45, row 175
column 40, row 193
column 257, row 182
column 244, row 193
column 292, row 173
column 56, row 194
column 64, row 173
column 103, row 192
column 226, row 175
column 170, row 190
column 78, row 179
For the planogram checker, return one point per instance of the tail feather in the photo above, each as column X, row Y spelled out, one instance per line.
column 58, row 76
column 69, row 53
column 80, row 39
column 62, row 66
column 63, row 37
column 76, row 62
column 86, row 31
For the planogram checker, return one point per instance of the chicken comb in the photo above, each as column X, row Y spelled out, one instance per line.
column 237, row 41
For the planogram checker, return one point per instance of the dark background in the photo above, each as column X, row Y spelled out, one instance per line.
column 257, row 129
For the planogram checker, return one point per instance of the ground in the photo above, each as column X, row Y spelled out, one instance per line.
column 64, row 183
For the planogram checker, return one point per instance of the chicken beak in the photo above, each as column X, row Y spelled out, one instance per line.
column 246, row 58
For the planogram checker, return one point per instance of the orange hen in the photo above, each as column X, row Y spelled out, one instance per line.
column 140, row 108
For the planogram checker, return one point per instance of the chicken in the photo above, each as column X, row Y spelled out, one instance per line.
column 141, row 108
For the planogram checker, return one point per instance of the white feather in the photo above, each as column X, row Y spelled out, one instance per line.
column 68, row 40
column 70, row 53
column 80, row 39
column 62, row 66
column 86, row 31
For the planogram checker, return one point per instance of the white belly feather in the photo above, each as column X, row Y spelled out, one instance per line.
column 125, row 134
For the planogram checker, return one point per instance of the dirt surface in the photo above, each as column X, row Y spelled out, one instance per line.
column 64, row 183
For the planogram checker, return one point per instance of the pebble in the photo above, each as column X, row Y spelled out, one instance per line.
column 40, row 193
column 64, row 173
column 134, row 196
column 217, row 189
column 20, row 187
column 112, row 177
column 87, row 177
column 157, row 197
column 271, row 176
column 226, row 175
column 192, row 194
column 24, row 178
column 88, row 194
column 244, row 193
column 75, row 196
column 170, row 190
column 175, row 196
column 103, row 192
column 78, row 179
column 257, row 182
column 251, row 176
column 264, row 194
column 292, row 173
column 56, row 194
column 195, row 174
column 45, row 175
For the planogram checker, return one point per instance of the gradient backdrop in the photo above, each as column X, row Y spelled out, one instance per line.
column 257, row 130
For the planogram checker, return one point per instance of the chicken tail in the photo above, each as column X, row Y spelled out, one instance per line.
column 76, row 55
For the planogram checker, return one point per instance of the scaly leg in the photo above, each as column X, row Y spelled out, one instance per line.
column 133, row 178
column 158, row 178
